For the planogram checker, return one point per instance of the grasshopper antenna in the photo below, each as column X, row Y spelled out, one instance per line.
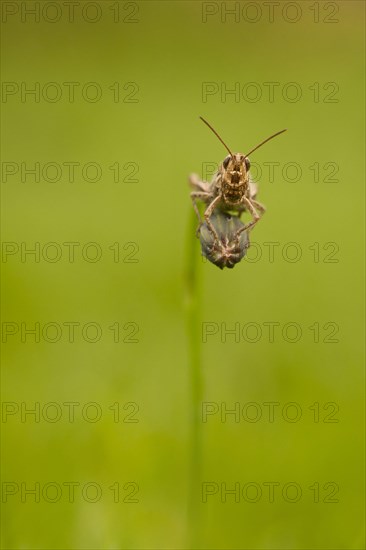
column 217, row 135
column 265, row 141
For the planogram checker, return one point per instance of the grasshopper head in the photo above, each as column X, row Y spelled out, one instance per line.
column 236, row 168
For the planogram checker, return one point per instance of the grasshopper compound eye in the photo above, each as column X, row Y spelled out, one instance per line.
column 247, row 163
column 226, row 162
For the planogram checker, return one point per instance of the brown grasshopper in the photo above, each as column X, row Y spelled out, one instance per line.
column 231, row 189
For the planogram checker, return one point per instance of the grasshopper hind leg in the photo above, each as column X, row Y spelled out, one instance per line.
column 204, row 197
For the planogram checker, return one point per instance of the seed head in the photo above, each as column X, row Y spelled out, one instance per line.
column 231, row 247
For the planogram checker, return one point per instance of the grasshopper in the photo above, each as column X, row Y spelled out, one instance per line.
column 231, row 189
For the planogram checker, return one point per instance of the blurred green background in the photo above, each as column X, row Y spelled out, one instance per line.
column 161, row 54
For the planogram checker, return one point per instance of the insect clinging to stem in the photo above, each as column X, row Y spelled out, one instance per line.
column 231, row 189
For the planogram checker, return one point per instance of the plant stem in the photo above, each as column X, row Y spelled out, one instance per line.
column 193, row 311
